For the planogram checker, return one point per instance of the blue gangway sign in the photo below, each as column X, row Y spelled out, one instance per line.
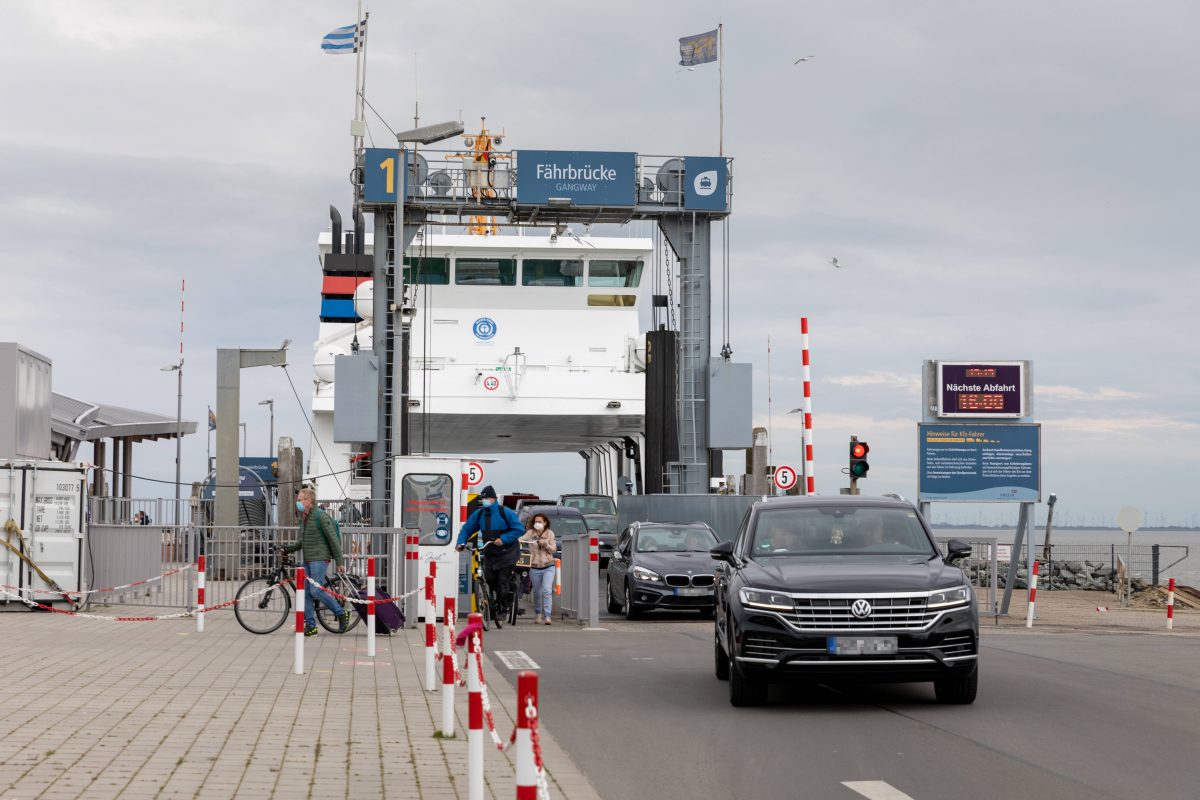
column 583, row 178
column 979, row 463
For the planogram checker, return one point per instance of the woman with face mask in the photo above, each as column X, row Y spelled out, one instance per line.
column 541, row 547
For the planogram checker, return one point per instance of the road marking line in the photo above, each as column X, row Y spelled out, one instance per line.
column 876, row 790
column 515, row 659
column 643, row 658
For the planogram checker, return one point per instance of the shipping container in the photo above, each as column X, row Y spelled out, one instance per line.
column 45, row 500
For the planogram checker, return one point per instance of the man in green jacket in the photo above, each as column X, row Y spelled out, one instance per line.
column 320, row 544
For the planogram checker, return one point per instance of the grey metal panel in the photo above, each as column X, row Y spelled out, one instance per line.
column 723, row 513
column 730, row 400
column 356, row 413
column 25, row 407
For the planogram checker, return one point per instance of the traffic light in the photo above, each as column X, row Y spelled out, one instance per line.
column 858, row 462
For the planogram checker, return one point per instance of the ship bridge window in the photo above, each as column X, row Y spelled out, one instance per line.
column 551, row 272
column 485, row 272
column 432, row 271
column 615, row 274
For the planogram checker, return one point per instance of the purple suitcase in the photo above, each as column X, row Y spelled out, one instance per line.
column 388, row 616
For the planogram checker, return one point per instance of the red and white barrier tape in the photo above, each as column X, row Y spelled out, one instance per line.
column 177, row 615
column 543, row 788
column 487, row 703
column 360, row 602
column 85, row 592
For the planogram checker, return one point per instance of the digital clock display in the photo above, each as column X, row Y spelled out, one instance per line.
column 968, row 389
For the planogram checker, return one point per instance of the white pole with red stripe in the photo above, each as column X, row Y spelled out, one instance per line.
column 200, row 595
column 299, row 669
column 371, row 606
column 430, row 633
column 1033, row 580
column 527, row 690
column 810, row 485
column 474, row 711
column 1171, row 604
column 448, row 669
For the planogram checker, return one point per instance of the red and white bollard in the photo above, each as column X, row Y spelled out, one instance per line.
column 200, row 595
column 371, row 606
column 430, row 634
column 810, row 485
column 299, row 669
column 558, row 576
column 1032, row 596
column 527, row 689
column 474, row 711
column 1171, row 604
column 448, row 669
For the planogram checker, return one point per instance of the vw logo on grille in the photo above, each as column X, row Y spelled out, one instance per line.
column 861, row 609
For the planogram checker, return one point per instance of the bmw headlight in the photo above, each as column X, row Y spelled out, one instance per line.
column 764, row 598
column 959, row 595
column 643, row 574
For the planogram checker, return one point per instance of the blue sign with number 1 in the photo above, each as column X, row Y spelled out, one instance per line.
column 380, row 175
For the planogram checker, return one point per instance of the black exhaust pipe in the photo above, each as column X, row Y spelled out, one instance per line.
column 360, row 234
column 335, row 218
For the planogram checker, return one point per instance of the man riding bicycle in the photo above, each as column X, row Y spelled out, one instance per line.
column 499, row 529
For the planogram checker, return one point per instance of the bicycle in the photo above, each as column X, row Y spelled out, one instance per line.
column 269, row 598
column 480, row 592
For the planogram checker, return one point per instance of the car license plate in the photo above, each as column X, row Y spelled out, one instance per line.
column 861, row 645
column 691, row 591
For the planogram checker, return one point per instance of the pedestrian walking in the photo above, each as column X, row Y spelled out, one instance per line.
column 320, row 543
column 541, row 561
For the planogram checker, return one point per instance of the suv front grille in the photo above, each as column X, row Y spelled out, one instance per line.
column 887, row 613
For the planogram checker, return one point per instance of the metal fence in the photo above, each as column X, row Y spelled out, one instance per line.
column 1093, row 566
column 580, row 598
column 982, row 568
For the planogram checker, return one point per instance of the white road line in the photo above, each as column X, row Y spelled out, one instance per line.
column 876, row 790
column 515, row 659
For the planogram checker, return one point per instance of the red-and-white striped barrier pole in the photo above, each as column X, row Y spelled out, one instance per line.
column 299, row 669
column 594, row 548
column 448, row 669
column 200, row 595
column 474, row 711
column 558, row 576
column 810, row 486
column 1032, row 596
column 527, row 690
column 430, row 633
column 1171, row 604
column 462, row 499
column 371, row 606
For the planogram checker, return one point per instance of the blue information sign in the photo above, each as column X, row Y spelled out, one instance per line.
column 704, row 183
column 586, row 178
column 980, row 463
column 380, row 175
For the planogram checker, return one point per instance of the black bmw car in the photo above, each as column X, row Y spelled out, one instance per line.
column 842, row 589
column 661, row 565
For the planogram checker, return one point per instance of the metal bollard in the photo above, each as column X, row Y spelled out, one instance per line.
column 429, row 635
column 200, row 595
column 474, row 711
column 299, row 668
column 1033, row 581
column 371, row 606
column 1171, row 604
column 527, row 689
column 448, row 669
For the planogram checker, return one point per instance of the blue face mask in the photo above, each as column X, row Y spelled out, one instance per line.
column 487, row 502
column 300, row 506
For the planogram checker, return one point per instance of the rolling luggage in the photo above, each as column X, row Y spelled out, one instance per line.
column 388, row 616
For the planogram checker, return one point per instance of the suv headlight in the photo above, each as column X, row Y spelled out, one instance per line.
column 959, row 595
column 643, row 574
column 764, row 598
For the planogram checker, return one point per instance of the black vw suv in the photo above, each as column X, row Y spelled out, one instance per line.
column 842, row 588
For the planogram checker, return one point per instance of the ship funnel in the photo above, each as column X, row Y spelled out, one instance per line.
column 360, row 236
column 335, row 217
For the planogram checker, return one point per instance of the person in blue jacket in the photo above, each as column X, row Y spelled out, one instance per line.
column 499, row 529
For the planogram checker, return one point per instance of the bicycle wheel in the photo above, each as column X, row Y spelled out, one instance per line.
column 482, row 606
column 347, row 586
column 514, row 597
column 266, row 612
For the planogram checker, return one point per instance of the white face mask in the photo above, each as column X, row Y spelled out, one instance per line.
column 539, row 526
column 487, row 502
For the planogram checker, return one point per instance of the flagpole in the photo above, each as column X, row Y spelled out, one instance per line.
column 358, row 81
column 721, row 89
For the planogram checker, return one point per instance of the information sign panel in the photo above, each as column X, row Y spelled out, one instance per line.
column 704, row 183
column 584, row 178
column 979, row 463
column 380, row 175
column 972, row 389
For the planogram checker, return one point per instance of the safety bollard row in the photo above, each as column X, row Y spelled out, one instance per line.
column 449, row 667
column 371, row 607
column 299, row 667
column 200, row 594
column 474, row 710
column 430, row 633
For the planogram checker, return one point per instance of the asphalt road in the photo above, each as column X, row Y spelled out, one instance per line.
column 1058, row 716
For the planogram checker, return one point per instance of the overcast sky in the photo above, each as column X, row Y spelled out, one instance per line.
column 998, row 181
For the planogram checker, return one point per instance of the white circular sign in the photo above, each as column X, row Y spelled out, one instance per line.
column 474, row 473
column 785, row 477
column 491, row 383
column 1130, row 519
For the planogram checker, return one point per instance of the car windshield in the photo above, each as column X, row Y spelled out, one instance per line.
column 839, row 530
column 567, row 525
column 675, row 540
column 592, row 505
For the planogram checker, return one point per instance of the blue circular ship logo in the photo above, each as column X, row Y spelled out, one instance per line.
column 484, row 328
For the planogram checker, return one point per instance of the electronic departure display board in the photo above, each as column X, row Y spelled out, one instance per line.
column 972, row 389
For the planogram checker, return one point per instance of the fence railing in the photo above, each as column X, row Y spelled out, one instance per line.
column 982, row 567
column 580, row 596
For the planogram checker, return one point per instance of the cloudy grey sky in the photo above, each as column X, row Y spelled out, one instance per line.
column 998, row 180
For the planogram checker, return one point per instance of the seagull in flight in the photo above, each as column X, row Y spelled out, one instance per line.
column 834, row 261
column 802, row 58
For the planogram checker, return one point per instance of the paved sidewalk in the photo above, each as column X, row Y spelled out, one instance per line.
column 97, row 710
column 1097, row 612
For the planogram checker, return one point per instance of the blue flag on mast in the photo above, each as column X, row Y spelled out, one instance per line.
column 347, row 39
column 699, row 49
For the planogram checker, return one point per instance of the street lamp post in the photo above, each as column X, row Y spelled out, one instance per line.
column 270, row 404
column 242, row 425
column 178, row 370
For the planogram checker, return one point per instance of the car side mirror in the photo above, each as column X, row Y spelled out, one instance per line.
column 957, row 549
column 722, row 552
